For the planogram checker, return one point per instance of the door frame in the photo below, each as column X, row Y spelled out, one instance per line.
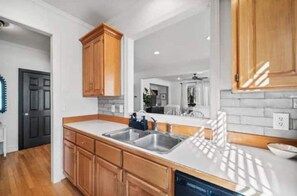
column 20, row 100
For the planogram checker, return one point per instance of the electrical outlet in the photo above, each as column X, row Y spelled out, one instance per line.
column 113, row 108
column 281, row 121
column 121, row 108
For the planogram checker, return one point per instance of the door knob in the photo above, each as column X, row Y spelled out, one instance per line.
column 26, row 114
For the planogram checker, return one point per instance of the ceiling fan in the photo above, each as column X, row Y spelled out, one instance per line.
column 195, row 77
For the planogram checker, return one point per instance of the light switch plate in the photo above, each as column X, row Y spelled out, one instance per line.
column 113, row 108
column 121, row 108
column 281, row 121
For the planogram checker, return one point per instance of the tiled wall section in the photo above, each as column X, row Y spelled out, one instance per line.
column 105, row 103
column 253, row 112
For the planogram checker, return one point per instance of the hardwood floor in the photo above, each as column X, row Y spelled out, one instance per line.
column 27, row 172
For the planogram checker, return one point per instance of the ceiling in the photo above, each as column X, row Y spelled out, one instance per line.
column 22, row 36
column 94, row 12
column 135, row 18
column 184, row 77
column 182, row 46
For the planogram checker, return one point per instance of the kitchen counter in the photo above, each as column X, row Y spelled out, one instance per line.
column 251, row 169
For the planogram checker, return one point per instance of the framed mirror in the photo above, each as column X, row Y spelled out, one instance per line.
column 3, row 98
column 171, row 68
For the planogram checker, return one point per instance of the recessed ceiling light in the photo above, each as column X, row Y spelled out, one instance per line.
column 178, row 78
column 208, row 38
column 156, row 53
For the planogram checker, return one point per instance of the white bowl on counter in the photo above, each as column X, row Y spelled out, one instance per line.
column 283, row 150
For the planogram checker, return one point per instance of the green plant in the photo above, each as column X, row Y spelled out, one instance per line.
column 147, row 97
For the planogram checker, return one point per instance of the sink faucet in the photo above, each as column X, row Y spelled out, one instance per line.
column 155, row 125
column 169, row 128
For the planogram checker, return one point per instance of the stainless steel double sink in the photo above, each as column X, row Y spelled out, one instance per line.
column 150, row 140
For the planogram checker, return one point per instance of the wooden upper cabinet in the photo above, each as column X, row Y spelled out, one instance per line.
column 264, row 44
column 88, row 66
column 102, row 62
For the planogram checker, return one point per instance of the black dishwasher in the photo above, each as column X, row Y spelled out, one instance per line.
column 186, row 185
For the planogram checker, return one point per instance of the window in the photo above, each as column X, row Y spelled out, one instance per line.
column 2, row 95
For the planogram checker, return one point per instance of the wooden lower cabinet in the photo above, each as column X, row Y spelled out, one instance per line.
column 69, row 161
column 108, row 179
column 135, row 186
column 85, row 171
column 109, row 171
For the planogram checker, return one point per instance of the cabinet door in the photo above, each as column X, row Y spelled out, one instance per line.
column 108, row 180
column 88, row 69
column 98, row 66
column 264, row 44
column 135, row 187
column 85, row 171
column 69, row 163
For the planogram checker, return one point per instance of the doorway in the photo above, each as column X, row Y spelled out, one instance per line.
column 34, row 108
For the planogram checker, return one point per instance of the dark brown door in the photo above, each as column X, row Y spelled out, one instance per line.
column 35, row 108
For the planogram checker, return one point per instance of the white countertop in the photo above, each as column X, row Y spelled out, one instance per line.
column 248, row 167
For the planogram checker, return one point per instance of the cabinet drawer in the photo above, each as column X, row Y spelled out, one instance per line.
column 136, row 186
column 109, row 153
column 157, row 175
column 69, row 135
column 85, row 142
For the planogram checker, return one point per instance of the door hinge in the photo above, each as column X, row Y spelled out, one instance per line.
column 237, row 77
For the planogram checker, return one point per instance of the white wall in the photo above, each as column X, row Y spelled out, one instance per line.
column 175, row 92
column 225, row 44
column 13, row 57
column 66, row 60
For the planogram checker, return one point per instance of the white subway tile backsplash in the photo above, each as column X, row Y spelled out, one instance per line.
column 281, row 94
column 259, row 121
column 246, row 129
column 233, row 119
column 252, row 95
column 269, row 112
column 243, row 111
column 294, row 124
column 227, row 94
column 252, row 112
column 253, row 103
column 230, row 103
column 105, row 103
column 278, row 103
column 295, row 103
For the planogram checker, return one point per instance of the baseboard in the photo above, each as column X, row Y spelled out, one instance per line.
column 9, row 149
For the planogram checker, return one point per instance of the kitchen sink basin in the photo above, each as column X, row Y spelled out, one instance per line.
column 158, row 142
column 149, row 140
column 127, row 135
